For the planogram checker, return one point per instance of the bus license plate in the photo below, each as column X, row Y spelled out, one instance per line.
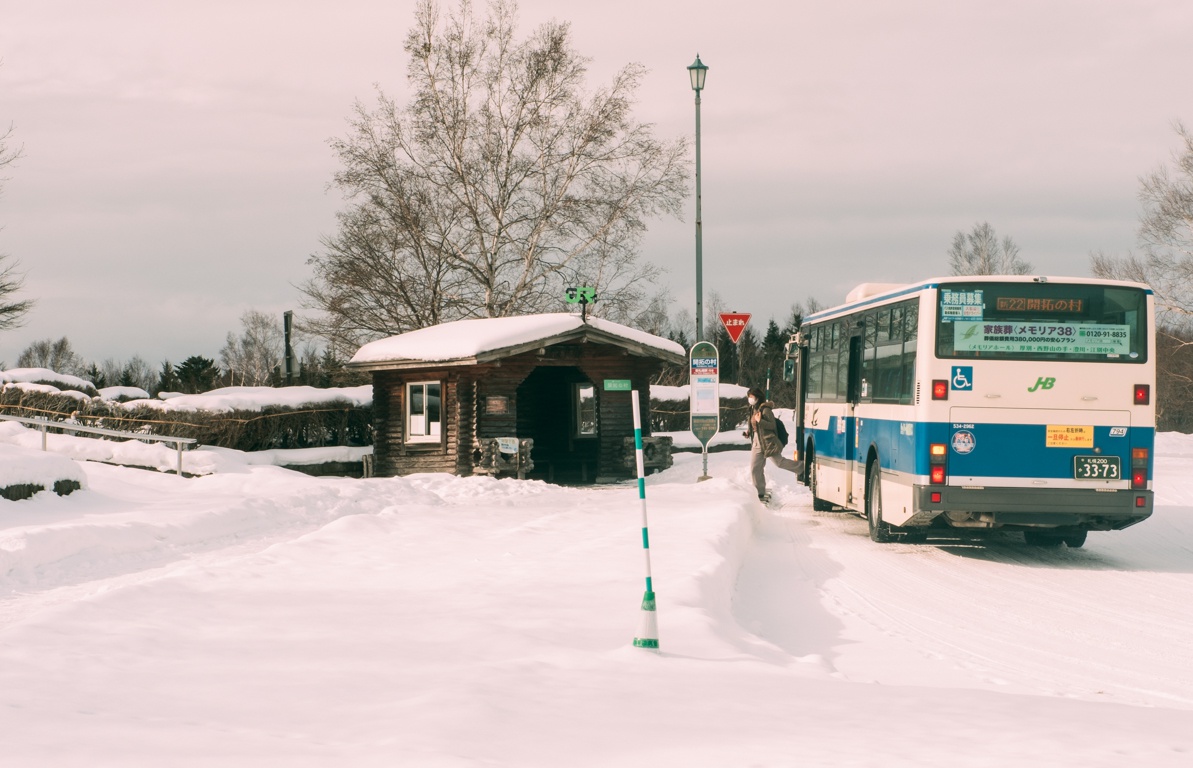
column 1096, row 468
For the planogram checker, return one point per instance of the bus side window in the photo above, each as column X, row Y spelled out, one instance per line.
column 832, row 364
column 911, row 321
column 842, row 362
column 815, row 364
column 869, row 356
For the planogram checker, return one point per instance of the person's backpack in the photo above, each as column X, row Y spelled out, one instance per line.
column 780, row 431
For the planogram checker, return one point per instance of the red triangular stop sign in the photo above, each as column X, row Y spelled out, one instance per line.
column 735, row 323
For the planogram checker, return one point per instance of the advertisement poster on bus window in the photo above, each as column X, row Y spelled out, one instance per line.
column 1041, row 337
column 960, row 305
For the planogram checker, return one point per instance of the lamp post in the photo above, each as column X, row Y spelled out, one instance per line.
column 698, row 71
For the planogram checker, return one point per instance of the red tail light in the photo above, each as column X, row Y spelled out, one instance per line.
column 940, row 389
column 1143, row 394
column 936, row 459
column 1139, row 458
column 1141, row 501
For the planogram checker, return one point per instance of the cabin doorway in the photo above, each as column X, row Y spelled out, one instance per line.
column 557, row 407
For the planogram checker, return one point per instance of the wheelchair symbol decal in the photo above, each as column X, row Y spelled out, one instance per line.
column 962, row 378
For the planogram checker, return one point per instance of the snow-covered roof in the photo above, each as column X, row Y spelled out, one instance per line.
column 470, row 341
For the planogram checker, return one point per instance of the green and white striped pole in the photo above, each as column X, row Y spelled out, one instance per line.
column 648, row 629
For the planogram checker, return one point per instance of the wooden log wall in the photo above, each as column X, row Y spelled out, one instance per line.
column 392, row 455
column 466, row 420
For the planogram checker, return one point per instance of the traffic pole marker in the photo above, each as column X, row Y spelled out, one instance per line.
column 648, row 626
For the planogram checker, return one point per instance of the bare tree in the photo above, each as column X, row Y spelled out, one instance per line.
column 500, row 184
column 251, row 357
column 134, row 372
column 58, row 356
column 1164, row 261
column 12, row 312
column 981, row 253
column 1165, row 256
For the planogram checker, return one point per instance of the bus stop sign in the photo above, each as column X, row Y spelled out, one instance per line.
column 705, row 402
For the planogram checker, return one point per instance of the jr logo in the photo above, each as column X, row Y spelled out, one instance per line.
column 1042, row 383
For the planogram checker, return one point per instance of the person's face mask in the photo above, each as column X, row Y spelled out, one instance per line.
column 752, row 400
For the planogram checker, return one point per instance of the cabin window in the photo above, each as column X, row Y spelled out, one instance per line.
column 585, row 409
column 423, row 411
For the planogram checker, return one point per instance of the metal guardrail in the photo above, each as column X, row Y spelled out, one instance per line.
column 45, row 425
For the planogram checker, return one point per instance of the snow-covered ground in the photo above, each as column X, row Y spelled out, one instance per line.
column 257, row 616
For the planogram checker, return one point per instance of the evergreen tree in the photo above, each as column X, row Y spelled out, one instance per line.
column 96, row 376
column 167, row 379
column 198, row 374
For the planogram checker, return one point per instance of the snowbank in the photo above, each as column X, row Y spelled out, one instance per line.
column 159, row 456
column 262, row 617
column 22, row 466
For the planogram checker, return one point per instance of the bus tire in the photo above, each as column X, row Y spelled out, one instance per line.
column 1075, row 540
column 1043, row 538
column 880, row 531
column 818, row 504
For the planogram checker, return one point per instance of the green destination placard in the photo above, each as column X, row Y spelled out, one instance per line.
column 617, row 385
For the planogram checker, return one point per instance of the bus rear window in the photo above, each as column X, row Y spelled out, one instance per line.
column 1033, row 321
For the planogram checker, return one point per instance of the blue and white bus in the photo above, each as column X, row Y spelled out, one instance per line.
column 981, row 403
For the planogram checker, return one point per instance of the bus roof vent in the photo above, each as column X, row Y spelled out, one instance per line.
column 866, row 290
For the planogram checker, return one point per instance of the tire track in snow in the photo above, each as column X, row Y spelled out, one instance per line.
column 1104, row 623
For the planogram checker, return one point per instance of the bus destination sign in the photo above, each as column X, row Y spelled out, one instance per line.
column 1055, row 306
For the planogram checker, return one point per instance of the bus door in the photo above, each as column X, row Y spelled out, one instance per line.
column 855, row 467
column 795, row 373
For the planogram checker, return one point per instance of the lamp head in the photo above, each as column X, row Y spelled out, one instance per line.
column 697, row 70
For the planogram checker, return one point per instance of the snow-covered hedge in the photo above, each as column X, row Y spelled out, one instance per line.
column 669, row 407
column 242, row 418
column 24, row 472
column 33, row 378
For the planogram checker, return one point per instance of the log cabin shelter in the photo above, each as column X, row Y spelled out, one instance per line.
column 557, row 386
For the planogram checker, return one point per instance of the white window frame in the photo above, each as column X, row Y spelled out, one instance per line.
column 418, row 429
column 576, row 420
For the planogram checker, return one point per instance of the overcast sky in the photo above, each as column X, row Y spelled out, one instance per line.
column 176, row 163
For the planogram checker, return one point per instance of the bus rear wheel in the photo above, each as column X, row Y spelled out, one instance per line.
column 1072, row 539
column 880, row 531
column 1043, row 538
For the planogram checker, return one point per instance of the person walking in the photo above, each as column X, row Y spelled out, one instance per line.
column 764, row 441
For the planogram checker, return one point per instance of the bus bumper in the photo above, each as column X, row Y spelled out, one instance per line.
column 1094, row 510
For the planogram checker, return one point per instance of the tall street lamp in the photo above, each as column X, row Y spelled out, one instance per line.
column 698, row 71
